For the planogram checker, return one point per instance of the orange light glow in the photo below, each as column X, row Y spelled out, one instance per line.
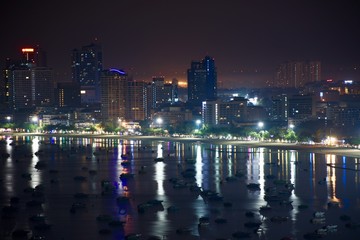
column 27, row 50
column 182, row 84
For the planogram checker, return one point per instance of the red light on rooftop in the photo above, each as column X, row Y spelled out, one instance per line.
column 27, row 50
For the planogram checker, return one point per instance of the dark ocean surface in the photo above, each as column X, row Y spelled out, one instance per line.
column 88, row 188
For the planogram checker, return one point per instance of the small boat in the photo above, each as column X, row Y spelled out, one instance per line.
column 42, row 227
column 249, row 214
column 104, row 231
column 104, row 218
column 220, row 220
column 133, row 236
column 253, row 186
column 240, row 234
column 116, row 223
column 331, row 228
column 252, row 224
column 318, row 220
column 183, row 230
column 319, row 214
column 279, row 219
column 159, row 159
column 265, row 208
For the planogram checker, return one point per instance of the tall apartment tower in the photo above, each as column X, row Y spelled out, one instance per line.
column 202, row 81
column 31, row 58
column 136, row 101
column 295, row 74
column 86, row 66
column 162, row 92
column 114, row 85
column 30, row 87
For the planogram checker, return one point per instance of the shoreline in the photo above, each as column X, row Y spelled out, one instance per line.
column 322, row 149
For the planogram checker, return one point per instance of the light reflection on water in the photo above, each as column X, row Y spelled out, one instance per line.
column 315, row 185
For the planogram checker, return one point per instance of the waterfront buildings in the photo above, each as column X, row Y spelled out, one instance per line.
column 295, row 74
column 202, row 81
column 86, row 67
column 114, row 85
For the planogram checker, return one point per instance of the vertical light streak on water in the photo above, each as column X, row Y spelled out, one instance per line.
column 229, row 160
column 312, row 170
column 277, row 162
column 284, row 163
column 217, row 169
column 160, row 152
column 35, row 174
column 357, row 175
column 9, row 171
column 198, row 166
column 344, row 171
column 261, row 173
column 159, row 178
column 331, row 184
column 293, row 159
column 160, row 192
column 119, row 168
column 249, row 165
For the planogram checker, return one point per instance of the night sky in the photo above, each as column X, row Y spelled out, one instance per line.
column 248, row 39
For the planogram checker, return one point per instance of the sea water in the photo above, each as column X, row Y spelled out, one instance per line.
column 74, row 184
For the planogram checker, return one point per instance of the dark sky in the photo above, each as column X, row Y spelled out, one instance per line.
column 248, row 39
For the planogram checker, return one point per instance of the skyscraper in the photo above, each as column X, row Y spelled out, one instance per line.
column 295, row 74
column 136, row 101
column 31, row 58
column 86, row 67
column 202, row 81
column 30, row 86
column 113, row 95
column 28, row 82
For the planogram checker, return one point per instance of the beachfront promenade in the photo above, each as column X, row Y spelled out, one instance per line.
column 316, row 148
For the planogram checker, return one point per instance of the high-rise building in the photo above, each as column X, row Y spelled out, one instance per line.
column 202, row 81
column 86, row 67
column 67, row 94
column 30, row 87
column 136, row 101
column 162, row 92
column 31, row 58
column 114, row 85
column 279, row 109
column 28, row 82
column 220, row 113
column 295, row 74
column 301, row 108
column 34, row 55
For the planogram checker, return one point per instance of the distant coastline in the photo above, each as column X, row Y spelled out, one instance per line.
column 323, row 149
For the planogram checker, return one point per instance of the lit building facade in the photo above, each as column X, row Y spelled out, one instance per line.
column 202, row 81
column 67, row 94
column 113, row 94
column 136, row 101
column 301, row 108
column 86, row 66
column 295, row 74
column 220, row 113
column 30, row 86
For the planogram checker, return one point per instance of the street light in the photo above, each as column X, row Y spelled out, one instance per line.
column 198, row 122
column 260, row 125
column 34, row 119
column 291, row 126
column 8, row 118
column 159, row 120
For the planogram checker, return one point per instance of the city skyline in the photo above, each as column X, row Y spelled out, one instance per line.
column 247, row 40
